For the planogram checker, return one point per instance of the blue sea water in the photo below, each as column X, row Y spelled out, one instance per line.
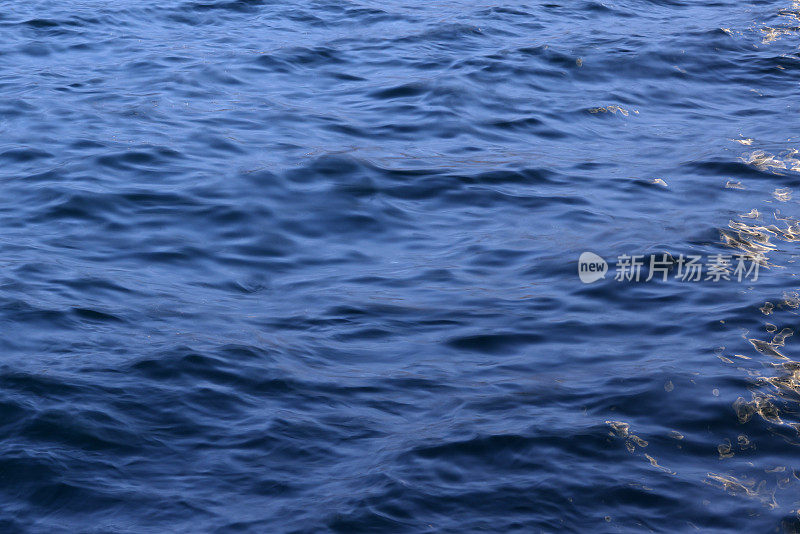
column 313, row 266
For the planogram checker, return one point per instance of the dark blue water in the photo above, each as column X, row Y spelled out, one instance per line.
column 312, row 266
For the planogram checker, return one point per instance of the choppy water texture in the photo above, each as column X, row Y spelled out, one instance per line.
column 311, row 266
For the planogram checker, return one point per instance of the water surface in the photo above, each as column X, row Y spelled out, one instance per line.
column 312, row 266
